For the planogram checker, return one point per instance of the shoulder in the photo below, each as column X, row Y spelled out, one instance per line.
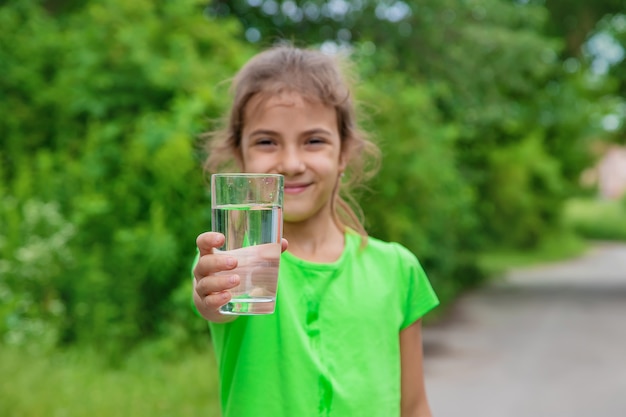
column 389, row 250
column 392, row 256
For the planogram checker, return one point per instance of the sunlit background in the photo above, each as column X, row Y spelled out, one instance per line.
column 502, row 125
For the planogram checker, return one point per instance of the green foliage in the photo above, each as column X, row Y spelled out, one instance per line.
column 597, row 219
column 483, row 127
column 491, row 75
column 573, row 20
column 523, row 192
column 498, row 80
column 32, row 309
column 502, row 131
column 76, row 383
column 419, row 198
column 555, row 247
column 102, row 192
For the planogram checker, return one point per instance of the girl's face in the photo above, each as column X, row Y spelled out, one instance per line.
column 299, row 139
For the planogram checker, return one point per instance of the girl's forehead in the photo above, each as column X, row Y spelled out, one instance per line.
column 288, row 111
column 264, row 101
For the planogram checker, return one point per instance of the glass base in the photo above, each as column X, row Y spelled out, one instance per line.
column 249, row 306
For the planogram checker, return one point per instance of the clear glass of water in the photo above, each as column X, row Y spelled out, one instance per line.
column 247, row 210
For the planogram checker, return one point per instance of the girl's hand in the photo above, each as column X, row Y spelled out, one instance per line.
column 210, row 291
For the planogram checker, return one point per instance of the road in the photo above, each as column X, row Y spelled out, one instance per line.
column 548, row 341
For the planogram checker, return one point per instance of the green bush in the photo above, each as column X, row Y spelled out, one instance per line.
column 597, row 219
column 523, row 193
column 102, row 191
column 420, row 198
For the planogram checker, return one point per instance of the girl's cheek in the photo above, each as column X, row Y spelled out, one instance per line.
column 258, row 163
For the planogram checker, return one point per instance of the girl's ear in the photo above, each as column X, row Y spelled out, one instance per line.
column 343, row 160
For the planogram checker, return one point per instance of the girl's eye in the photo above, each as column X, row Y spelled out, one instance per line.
column 264, row 142
column 315, row 140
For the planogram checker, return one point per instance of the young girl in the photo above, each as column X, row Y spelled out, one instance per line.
column 345, row 338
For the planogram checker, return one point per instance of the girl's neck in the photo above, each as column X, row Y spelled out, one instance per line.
column 314, row 241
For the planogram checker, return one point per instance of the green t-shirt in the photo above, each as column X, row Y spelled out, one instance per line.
column 332, row 346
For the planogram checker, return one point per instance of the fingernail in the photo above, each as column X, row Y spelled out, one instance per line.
column 232, row 279
column 230, row 262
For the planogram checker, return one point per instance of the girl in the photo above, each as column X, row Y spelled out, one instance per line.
column 345, row 339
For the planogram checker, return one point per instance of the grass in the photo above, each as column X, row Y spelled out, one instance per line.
column 597, row 219
column 76, row 383
column 584, row 219
column 554, row 248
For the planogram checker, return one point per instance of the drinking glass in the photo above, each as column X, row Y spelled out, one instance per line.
column 247, row 210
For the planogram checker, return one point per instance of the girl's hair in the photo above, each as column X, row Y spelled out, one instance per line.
column 317, row 77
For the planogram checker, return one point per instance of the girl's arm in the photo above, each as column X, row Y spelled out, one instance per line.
column 413, row 393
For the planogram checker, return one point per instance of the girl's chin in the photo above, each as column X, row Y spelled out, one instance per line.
column 296, row 216
column 294, row 219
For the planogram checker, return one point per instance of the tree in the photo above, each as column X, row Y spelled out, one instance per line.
column 102, row 189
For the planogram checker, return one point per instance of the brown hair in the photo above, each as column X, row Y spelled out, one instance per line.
column 315, row 76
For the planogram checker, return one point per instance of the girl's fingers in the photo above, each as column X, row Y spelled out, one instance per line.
column 211, row 264
column 216, row 300
column 213, row 289
column 212, row 285
column 208, row 241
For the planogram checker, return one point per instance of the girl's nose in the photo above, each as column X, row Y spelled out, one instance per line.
column 291, row 163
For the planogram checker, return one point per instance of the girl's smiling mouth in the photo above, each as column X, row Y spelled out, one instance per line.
column 296, row 188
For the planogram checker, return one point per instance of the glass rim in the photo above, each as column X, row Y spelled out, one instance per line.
column 246, row 174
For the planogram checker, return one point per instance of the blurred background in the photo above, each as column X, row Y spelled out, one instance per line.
column 502, row 124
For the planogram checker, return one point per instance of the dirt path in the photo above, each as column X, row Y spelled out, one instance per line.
column 545, row 342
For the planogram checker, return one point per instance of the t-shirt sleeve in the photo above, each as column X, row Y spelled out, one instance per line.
column 419, row 295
